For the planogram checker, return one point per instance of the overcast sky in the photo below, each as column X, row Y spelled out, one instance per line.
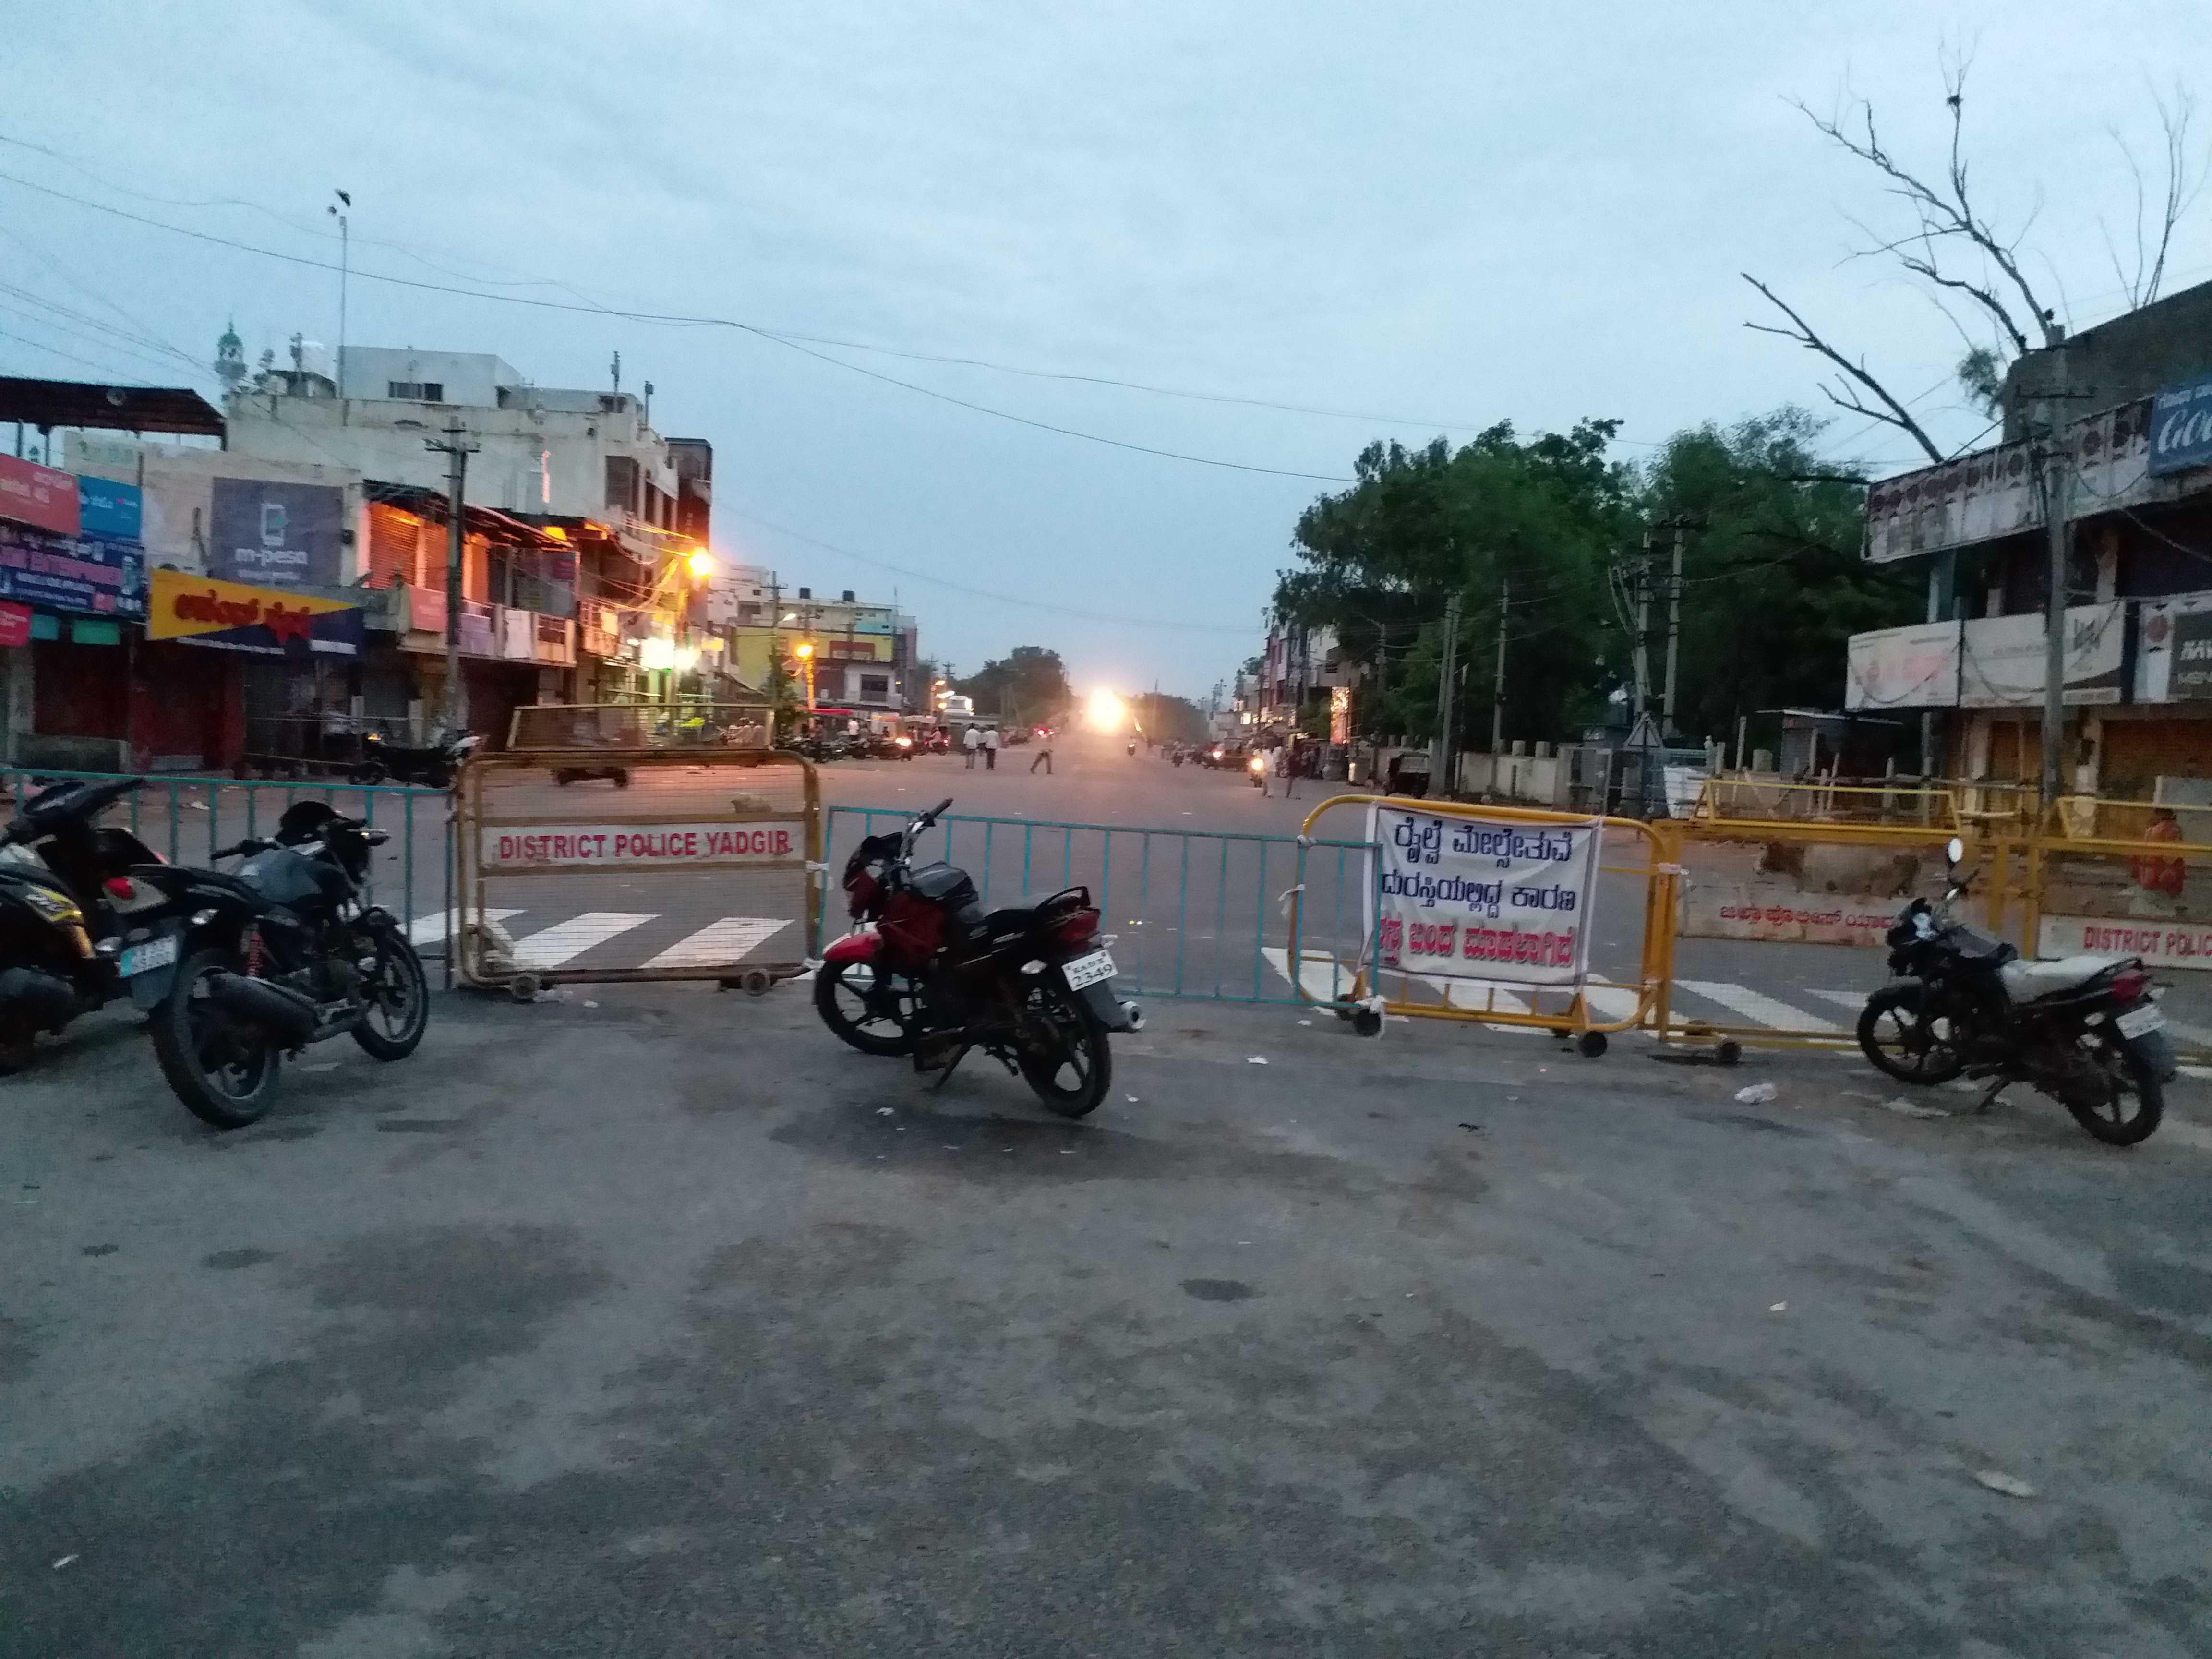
column 1445, row 214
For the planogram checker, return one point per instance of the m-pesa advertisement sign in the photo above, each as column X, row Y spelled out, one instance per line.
column 520, row 849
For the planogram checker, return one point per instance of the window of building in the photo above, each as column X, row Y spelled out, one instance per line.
column 415, row 391
column 875, row 688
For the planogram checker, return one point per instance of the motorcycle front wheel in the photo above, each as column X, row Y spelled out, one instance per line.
column 1062, row 1051
column 2133, row 1111
column 1893, row 1036
column 851, row 1004
column 398, row 998
column 226, row 1073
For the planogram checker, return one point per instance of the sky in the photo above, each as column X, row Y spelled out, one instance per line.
column 1403, row 219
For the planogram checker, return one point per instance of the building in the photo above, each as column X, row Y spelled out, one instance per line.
column 2138, row 613
column 860, row 656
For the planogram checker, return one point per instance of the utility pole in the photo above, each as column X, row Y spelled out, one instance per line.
column 1498, row 681
column 1642, row 597
column 345, row 262
column 456, row 448
column 1667, row 726
column 1441, row 756
column 2058, row 478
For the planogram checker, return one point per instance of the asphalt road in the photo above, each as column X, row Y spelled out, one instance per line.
column 651, row 1321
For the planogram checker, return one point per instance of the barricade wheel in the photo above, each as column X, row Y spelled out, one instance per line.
column 1367, row 1022
column 1727, row 1051
column 1592, row 1043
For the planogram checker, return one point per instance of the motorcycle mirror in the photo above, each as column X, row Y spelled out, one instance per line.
column 1955, row 850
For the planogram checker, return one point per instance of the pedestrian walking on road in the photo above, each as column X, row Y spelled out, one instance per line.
column 971, row 740
column 990, row 749
column 1043, row 756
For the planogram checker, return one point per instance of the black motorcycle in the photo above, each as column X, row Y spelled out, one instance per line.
column 64, row 890
column 934, row 975
column 262, row 962
column 2085, row 1031
column 435, row 766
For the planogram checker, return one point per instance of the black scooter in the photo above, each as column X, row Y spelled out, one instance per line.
column 64, row 897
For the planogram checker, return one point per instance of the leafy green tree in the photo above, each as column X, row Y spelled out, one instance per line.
column 1028, row 684
column 1379, row 561
column 1774, row 583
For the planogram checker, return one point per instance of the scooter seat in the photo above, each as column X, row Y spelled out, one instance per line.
column 2025, row 981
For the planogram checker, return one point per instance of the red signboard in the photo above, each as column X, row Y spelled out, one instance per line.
column 38, row 495
column 14, row 623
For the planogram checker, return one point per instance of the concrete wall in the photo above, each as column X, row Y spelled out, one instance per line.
column 179, row 486
column 384, row 440
column 471, row 378
column 2124, row 359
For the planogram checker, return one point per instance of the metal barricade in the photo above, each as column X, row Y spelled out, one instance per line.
column 1818, row 874
column 186, row 819
column 1625, row 987
column 614, row 864
column 1196, row 914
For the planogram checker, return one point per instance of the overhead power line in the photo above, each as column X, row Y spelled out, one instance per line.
column 875, row 562
column 681, row 320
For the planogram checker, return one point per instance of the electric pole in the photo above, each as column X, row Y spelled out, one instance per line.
column 1497, row 682
column 1666, row 727
column 456, row 448
column 2058, row 475
column 1441, row 754
column 1643, row 631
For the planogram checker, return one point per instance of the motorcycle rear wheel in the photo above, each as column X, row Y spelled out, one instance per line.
column 844, row 995
column 2115, row 1125
column 225, row 1073
column 1072, row 1067
column 1891, row 1037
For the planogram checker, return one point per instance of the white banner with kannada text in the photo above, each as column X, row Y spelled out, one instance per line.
column 1498, row 899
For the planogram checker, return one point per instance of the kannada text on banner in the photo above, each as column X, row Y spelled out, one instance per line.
column 1480, row 898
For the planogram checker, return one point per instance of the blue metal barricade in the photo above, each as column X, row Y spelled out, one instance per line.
column 186, row 818
column 1191, row 913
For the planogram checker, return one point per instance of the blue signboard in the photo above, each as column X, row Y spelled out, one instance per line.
column 81, row 575
column 2181, row 427
column 111, row 511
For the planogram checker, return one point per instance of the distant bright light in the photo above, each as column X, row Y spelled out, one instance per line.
column 1106, row 712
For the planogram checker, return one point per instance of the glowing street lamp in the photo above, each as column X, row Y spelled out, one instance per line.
column 701, row 563
column 805, row 649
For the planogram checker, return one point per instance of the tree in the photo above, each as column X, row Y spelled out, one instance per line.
column 1773, row 580
column 1028, row 683
column 1167, row 719
column 1948, row 243
column 1378, row 562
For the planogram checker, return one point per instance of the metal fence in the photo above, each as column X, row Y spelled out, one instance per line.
column 1190, row 913
column 187, row 819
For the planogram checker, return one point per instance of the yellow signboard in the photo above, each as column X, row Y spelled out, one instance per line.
column 266, row 621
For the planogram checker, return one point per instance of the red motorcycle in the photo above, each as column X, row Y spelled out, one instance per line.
column 930, row 973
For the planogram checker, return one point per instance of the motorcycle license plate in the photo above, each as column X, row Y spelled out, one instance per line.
column 143, row 958
column 1088, row 971
column 2138, row 1021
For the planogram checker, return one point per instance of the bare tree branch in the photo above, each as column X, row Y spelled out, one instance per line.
column 1891, row 412
column 1947, row 213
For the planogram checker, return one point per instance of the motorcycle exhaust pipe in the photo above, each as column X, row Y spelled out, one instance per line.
column 47, row 999
column 1133, row 1017
column 287, row 1015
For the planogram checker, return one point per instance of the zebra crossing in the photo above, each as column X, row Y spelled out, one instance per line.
column 1715, row 1001
column 615, row 939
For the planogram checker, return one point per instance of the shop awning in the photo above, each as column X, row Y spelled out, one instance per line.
column 47, row 404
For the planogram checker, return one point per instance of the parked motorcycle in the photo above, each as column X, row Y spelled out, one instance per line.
column 2084, row 1030
column 931, row 974
column 249, row 967
column 64, row 891
column 433, row 766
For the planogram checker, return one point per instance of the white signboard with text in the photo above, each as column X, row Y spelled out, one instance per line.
column 2159, row 944
column 511, row 850
column 1493, row 899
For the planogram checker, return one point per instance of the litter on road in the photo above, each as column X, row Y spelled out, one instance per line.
column 1904, row 1108
column 1779, row 1306
column 1756, row 1095
column 1257, row 1060
column 2011, row 1486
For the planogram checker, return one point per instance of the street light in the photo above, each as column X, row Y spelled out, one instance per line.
column 701, row 563
column 806, row 648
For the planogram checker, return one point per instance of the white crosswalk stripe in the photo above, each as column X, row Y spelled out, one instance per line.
column 431, row 929
column 1853, row 1000
column 1756, row 1006
column 564, row 941
column 726, row 940
column 1320, row 976
column 1612, row 1002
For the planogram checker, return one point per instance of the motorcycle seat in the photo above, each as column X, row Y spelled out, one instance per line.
column 2025, row 981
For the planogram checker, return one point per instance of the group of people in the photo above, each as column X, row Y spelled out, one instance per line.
column 987, row 741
